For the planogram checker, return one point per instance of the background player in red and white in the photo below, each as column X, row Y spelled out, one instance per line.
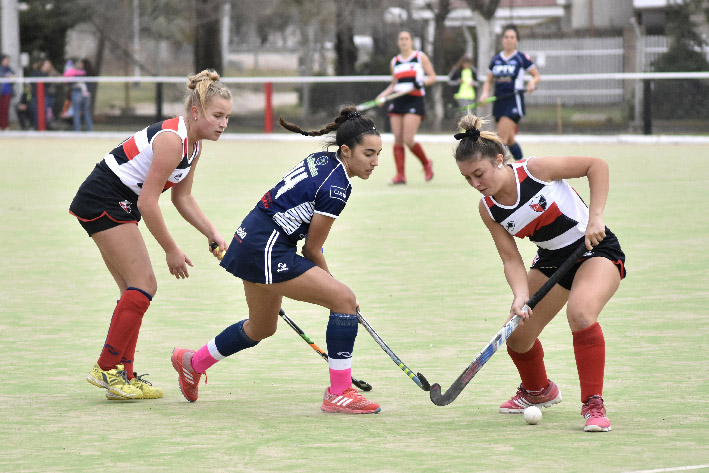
column 411, row 70
column 507, row 69
column 531, row 199
column 126, row 186
column 263, row 254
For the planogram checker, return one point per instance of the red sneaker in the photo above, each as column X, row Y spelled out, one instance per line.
column 523, row 399
column 399, row 179
column 595, row 414
column 428, row 170
column 349, row 402
column 186, row 375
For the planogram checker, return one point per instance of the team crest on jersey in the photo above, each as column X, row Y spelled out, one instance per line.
column 538, row 203
column 510, row 226
column 125, row 205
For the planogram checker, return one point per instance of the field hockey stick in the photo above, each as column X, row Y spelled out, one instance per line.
column 417, row 378
column 382, row 100
column 363, row 385
column 488, row 100
column 459, row 384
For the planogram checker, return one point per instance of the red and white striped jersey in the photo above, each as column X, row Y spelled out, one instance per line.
column 131, row 160
column 407, row 73
column 550, row 214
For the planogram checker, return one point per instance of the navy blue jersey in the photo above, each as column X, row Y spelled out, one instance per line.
column 509, row 72
column 318, row 184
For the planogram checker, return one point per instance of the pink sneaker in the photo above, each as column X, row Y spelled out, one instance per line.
column 428, row 170
column 186, row 375
column 350, row 402
column 399, row 179
column 595, row 414
column 523, row 399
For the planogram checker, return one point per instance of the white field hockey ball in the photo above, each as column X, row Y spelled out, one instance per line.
column 532, row 415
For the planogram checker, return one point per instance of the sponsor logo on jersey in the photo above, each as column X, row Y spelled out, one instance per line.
column 504, row 69
column 538, row 203
column 266, row 200
column 338, row 193
column 292, row 219
column 177, row 177
column 125, row 205
column 315, row 161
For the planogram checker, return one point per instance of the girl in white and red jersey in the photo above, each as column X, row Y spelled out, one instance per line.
column 124, row 187
column 411, row 70
column 530, row 198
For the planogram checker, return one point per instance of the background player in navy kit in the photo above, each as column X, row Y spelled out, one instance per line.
column 507, row 70
column 410, row 70
column 125, row 186
column 305, row 203
column 530, row 198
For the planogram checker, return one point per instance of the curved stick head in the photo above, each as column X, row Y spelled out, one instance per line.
column 363, row 385
column 437, row 398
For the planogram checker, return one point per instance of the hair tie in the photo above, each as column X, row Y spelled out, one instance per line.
column 473, row 133
column 353, row 115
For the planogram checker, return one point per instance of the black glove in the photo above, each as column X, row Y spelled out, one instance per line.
column 419, row 84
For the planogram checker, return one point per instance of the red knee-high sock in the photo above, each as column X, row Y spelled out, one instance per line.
column 129, row 353
column 124, row 326
column 399, row 157
column 417, row 149
column 590, row 351
column 531, row 367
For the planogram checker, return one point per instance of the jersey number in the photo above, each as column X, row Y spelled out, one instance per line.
column 292, row 178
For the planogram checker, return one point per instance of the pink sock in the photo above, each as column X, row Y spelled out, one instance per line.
column 340, row 380
column 205, row 357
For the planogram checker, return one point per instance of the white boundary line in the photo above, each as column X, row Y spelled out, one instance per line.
column 677, row 468
column 387, row 137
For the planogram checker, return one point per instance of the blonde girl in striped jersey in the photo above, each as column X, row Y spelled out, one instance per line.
column 125, row 187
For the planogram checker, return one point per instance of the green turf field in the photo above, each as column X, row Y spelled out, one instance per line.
column 428, row 279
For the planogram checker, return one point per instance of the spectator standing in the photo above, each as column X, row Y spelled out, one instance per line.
column 464, row 76
column 80, row 96
column 6, row 91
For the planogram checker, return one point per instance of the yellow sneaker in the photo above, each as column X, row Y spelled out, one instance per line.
column 115, row 381
column 148, row 391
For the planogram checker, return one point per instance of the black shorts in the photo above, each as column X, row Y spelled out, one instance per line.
column 547, row 261
column 103, row 202
column 407, row 104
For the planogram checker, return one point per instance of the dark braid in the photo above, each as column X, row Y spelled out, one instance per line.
column 349, row 124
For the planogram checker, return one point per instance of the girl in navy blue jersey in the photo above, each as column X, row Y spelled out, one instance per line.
column 530, row 198
column 507, row 70
column 305, row 203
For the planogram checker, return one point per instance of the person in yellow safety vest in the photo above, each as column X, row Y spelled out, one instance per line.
column 463, row 74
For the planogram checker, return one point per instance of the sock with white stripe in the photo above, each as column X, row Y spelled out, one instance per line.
column 340, row 338
column 230, row 341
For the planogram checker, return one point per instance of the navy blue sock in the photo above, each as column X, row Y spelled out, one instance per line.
column 516, row 151
column 340, row 336
column 233, row 339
